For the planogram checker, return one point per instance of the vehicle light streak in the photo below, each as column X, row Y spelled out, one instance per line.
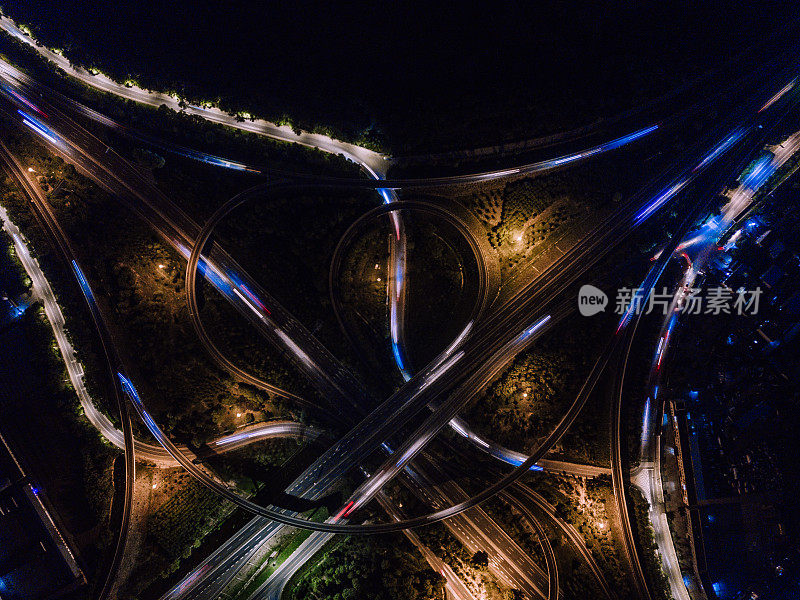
column 249, row 304
column 398, row 359
column 344, row 512
column 87, row 291
column 294, row 347
column 612, row 145
column 760, row 173
column 129, row 389
column 398, row 277
column 720, row 149
column 39, row 127
column 24, row 100
column 456, row 425
column 459, row 339
column 441, row 369
column 535, row 327
column 220, row 162
column 481, row 442
column 254, row 298
column 210, row 271
column 660, row 200
column 386, row 194
column 779, row 95
column 516, row 461
column 645, row 420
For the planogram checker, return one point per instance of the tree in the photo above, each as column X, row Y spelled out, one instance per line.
column 480, row 560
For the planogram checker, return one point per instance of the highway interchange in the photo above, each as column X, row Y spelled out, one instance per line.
column 431, row 398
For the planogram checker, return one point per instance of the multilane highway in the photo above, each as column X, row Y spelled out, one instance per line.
column 714, row 154
column 641, row 216
column 57, row 140
column 701, row 244
column 726, row 145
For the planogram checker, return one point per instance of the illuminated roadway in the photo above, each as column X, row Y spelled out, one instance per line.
column 659, row 200
column 498, row 174
column 44, row 292
column 374, row 161
column 398, row 465
column 431, row 376
column 702, row 244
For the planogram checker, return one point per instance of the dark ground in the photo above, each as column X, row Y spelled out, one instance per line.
column 412, row 79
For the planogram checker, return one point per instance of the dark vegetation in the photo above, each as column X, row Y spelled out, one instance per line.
column 185, row 522
column 189, row 515
column 379, row 567
column 648, row 550
column 589, row 507
column 442, row 288
column 538, row 388
column 121, row 258
column 286, row 241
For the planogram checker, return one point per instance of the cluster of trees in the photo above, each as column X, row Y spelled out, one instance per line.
column 376, row 567
column 651, row 559
column 180, row 524
column 536, row 389
column 286, row 244
column 441, row 276
column 165, row 61
column 523, row 200
column 528, row 396
column 583, row 515
column 15, row 281
column 472, row 568
column 61, row 181
column 592, row 184
column 488, row 206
